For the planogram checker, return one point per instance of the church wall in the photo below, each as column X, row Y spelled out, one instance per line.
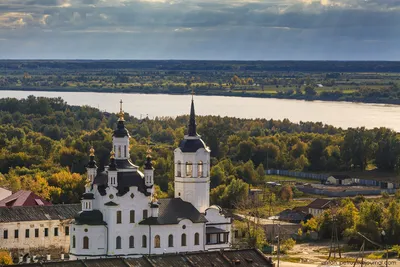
column 97, row 235
column 177, row 230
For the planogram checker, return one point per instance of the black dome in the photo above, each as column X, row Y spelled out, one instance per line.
column 192, row 145
column 93, row 217
column 121, row 131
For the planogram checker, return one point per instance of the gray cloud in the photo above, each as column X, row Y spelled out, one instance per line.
column 194, row 28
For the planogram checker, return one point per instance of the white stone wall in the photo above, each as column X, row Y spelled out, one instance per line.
column 120, row 145
column 26, row 244
column 218, row 220
column 97, row 235
column 315, row 212
column 193, row 188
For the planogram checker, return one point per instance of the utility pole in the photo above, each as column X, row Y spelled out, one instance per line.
column 383, row 235
column 279, row 242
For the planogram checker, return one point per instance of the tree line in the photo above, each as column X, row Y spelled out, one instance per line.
column 44, row 144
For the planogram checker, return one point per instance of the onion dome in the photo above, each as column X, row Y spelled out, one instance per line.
column 121, row 131
column 92, row 162
column 148, row 165
column 113, row 164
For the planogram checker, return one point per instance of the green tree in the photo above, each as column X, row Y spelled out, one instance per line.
column 358, row 148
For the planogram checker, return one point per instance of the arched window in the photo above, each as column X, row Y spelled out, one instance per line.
column 170, row 241
column 144, row 241
column 189, row 169
column 157, row 241
column 85, row 242
column 118, row 243
column 131, row 242
column 179, row 169
column 183, row 240
column 200, row 169
column 125, row 151
column 73, row 241
column 119, row 152
column 196, row 239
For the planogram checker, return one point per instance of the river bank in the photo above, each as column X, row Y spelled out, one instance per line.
column 329, row 98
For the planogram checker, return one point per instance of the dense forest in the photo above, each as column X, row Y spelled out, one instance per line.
column 179, row 65
column 371, row 81
column 44, row 146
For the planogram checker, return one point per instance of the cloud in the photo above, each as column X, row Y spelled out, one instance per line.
column 200, row 27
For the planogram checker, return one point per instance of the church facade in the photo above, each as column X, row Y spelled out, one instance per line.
column 121, row 215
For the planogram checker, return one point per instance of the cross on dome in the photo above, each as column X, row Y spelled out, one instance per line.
column 121, row 112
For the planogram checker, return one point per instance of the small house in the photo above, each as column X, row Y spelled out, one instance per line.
column 318, row 206
column 339, row 179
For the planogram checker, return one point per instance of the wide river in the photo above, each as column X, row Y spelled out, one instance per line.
column 340, row 114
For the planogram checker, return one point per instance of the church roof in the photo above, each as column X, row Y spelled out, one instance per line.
column 125, row 180
column 173, row 210
column 38, row 213
column 125, row 164
column 93, row 217
column 191, row 145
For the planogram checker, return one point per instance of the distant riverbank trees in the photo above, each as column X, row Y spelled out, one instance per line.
column 44, row 146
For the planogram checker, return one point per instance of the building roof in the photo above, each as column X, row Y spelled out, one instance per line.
column 23, row 198
column 292, row 215
column 92, row 217
column 4, row 193
column 191, row 145
column 246, row 258
column 138, row 262
column 213, row 258
column 169, row 261
column 341, row 176
column 173, row 210
column 125, row 180
column 215, row 230
column 320, row 203
column 38, row 213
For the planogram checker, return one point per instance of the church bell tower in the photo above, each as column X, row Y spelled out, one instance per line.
column 192, row 167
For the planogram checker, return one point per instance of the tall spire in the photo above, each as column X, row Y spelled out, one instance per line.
column 121, row 112
column 192, row 119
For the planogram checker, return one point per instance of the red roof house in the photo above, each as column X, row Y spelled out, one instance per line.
column 23, row 198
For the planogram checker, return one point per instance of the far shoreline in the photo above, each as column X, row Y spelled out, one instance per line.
column 394, row 102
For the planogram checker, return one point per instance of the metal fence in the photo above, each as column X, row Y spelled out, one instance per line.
column 305, row 175
column 324, row 177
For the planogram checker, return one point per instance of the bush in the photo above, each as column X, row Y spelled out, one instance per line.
column 5, row 258
column 287, row 245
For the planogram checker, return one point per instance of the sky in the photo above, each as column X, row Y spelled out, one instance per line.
column 200, row 29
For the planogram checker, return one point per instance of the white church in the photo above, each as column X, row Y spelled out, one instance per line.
column 122, row 217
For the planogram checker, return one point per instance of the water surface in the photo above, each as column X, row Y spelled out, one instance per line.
column 340, row 114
